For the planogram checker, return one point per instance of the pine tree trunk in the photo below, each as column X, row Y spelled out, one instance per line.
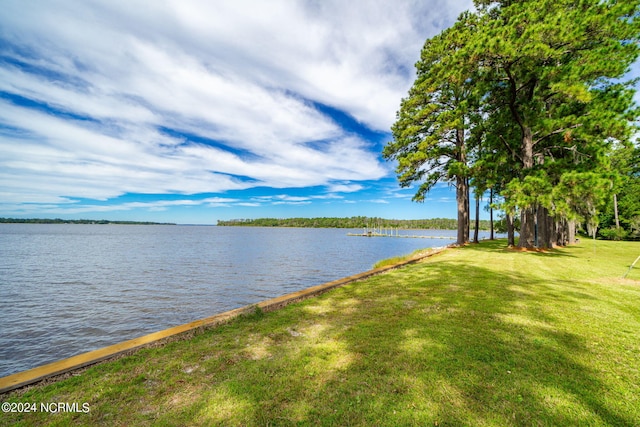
column 477, row 222
column 527, row 216
column 571, row 232
column 492, row 236
column 463, row 212
column 527, row 229
column 562, row 232
column 615, row 210
column 553, row 236
column 545, row 228
column 468, row 209
column 541, row 228
column 462, row 191
column 511, row 239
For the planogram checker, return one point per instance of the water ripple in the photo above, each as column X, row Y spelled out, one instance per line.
column 67, row 289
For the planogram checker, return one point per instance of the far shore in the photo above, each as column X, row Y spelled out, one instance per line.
column 76, row 221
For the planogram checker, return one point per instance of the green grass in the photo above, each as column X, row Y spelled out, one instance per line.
column 478, row 336
column 398, row 259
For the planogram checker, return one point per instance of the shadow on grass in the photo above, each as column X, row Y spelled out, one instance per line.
column 451, row 345
column 500, row 245
column 444, row 343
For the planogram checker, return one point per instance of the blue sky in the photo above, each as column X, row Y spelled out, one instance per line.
column 193, row 111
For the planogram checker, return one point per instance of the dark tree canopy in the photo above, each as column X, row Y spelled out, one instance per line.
column 523, row 98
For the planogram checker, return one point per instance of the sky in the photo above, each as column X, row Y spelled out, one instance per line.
column 194, row 111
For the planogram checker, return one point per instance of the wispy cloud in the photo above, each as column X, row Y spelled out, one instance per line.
column 104, row 98
column 156, row 205
column 344, row 188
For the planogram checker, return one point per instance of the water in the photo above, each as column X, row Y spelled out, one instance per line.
column 67, row 289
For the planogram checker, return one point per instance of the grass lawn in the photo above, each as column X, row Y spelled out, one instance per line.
column 478, row 336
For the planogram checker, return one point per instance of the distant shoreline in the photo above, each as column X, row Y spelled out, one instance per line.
column 76, row 221
column 351, row 222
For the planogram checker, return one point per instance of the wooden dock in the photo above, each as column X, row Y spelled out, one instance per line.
column 403, row 236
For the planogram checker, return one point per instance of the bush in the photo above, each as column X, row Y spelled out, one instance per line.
column 614, row 233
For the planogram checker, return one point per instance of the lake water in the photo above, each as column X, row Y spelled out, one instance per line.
column 67, row 289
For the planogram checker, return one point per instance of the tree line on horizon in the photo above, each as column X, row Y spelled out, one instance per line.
column 351, row 222
column 524, row 101
column 75, row 221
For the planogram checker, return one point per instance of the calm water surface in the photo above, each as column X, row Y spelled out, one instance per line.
column 67, row 289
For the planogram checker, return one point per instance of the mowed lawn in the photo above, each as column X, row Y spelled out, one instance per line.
column 477, row 336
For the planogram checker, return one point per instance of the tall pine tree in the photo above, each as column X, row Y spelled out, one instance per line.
column 434, row 120
column 553, row 65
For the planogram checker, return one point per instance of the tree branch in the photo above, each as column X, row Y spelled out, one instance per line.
column 573, row 149
column 514, row 154
column 512, row 98
column 555, row 132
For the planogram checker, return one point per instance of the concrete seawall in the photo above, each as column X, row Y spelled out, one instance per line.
column 63, row 366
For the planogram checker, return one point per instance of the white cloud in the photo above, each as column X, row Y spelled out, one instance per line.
column 286, row 198
column 242, row 77
column 284, row 202
column 344, row 188
column 326, row 196
column 152, row 206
